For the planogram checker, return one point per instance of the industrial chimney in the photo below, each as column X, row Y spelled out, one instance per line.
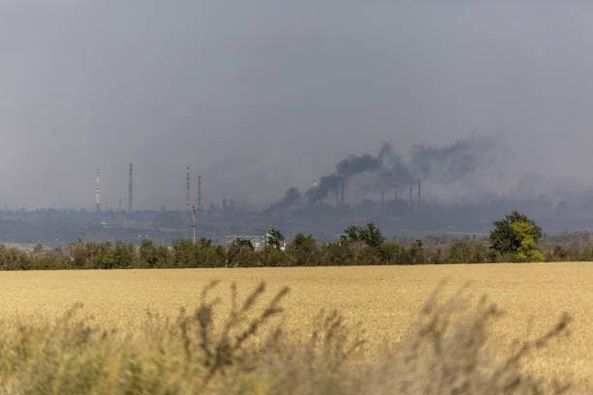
column 131, row 188
column 98, row 190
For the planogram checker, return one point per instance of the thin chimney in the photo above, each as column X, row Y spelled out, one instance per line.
column 131, row 188
column 98, row 190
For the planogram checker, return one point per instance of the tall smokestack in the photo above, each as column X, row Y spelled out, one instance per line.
column 98, row 190
column 131, row 188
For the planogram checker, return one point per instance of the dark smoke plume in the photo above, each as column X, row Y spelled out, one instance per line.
column 388, row 171
column 345, row 170
column 358, row 164
column 453, row 162
column 291, row 198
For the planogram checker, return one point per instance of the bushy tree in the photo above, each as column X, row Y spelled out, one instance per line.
column 415, row 253
column 183, row 253
column 304, row 250
column 13, row 259
column 202, row 254
column 370, row 235
column 392, row 254
column 153, row 255
column 210, row 255
column 242, row 253
column 274, row 238
column 516, row 236
column 272, row 256
column 336, row 254
column 466, row 251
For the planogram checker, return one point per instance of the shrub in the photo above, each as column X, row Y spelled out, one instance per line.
column 464, row 251
column 242, row 253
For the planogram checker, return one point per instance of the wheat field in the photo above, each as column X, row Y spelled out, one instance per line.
column 384, row 300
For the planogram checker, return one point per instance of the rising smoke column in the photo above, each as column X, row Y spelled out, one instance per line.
column 345, row 170
column 453, row 162
column 388, row 170
column 291, row 198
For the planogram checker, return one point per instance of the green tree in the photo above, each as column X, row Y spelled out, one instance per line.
column 274, row 238
column 467, row 251
column 184, row 253
column 370, row 235
column 416, row 253
column 123, row 255
column 153, row 255
column 352, row 234
column 304, row 250
column 272, row 256
column 241, row 253
column 391, row 254
column 337, row 254
column 516, row 236
column 207, row 254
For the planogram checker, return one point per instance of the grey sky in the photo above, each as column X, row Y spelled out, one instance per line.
column 261, row 95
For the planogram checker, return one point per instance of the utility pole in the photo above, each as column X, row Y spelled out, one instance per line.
column 194, row 224
column 188, row 200
column 199, row 193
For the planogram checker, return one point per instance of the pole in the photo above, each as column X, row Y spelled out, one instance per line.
column 194, row 224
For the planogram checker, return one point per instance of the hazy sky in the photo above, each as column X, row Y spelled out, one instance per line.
column 261, row 95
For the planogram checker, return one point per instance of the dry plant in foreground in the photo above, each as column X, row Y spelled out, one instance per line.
column 246, row 349
column 450, row 349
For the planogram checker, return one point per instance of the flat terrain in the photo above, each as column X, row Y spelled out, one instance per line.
column 383, row 299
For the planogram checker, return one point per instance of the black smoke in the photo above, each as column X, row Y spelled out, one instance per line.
column 453, row 162
column 388, row 170
column 291, row 198
column 345, row 170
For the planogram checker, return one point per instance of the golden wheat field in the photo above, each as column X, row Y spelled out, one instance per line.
column 383, row 299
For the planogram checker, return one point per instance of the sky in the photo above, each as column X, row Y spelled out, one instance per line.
column 263, row 95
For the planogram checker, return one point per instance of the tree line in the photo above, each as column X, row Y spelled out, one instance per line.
column 513, row 239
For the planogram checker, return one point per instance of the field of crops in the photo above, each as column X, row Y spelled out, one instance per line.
column 383, row 299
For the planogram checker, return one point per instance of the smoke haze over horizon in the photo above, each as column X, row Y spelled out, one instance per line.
column 271, row 95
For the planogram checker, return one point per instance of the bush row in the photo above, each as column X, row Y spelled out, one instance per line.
column 303, row 250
